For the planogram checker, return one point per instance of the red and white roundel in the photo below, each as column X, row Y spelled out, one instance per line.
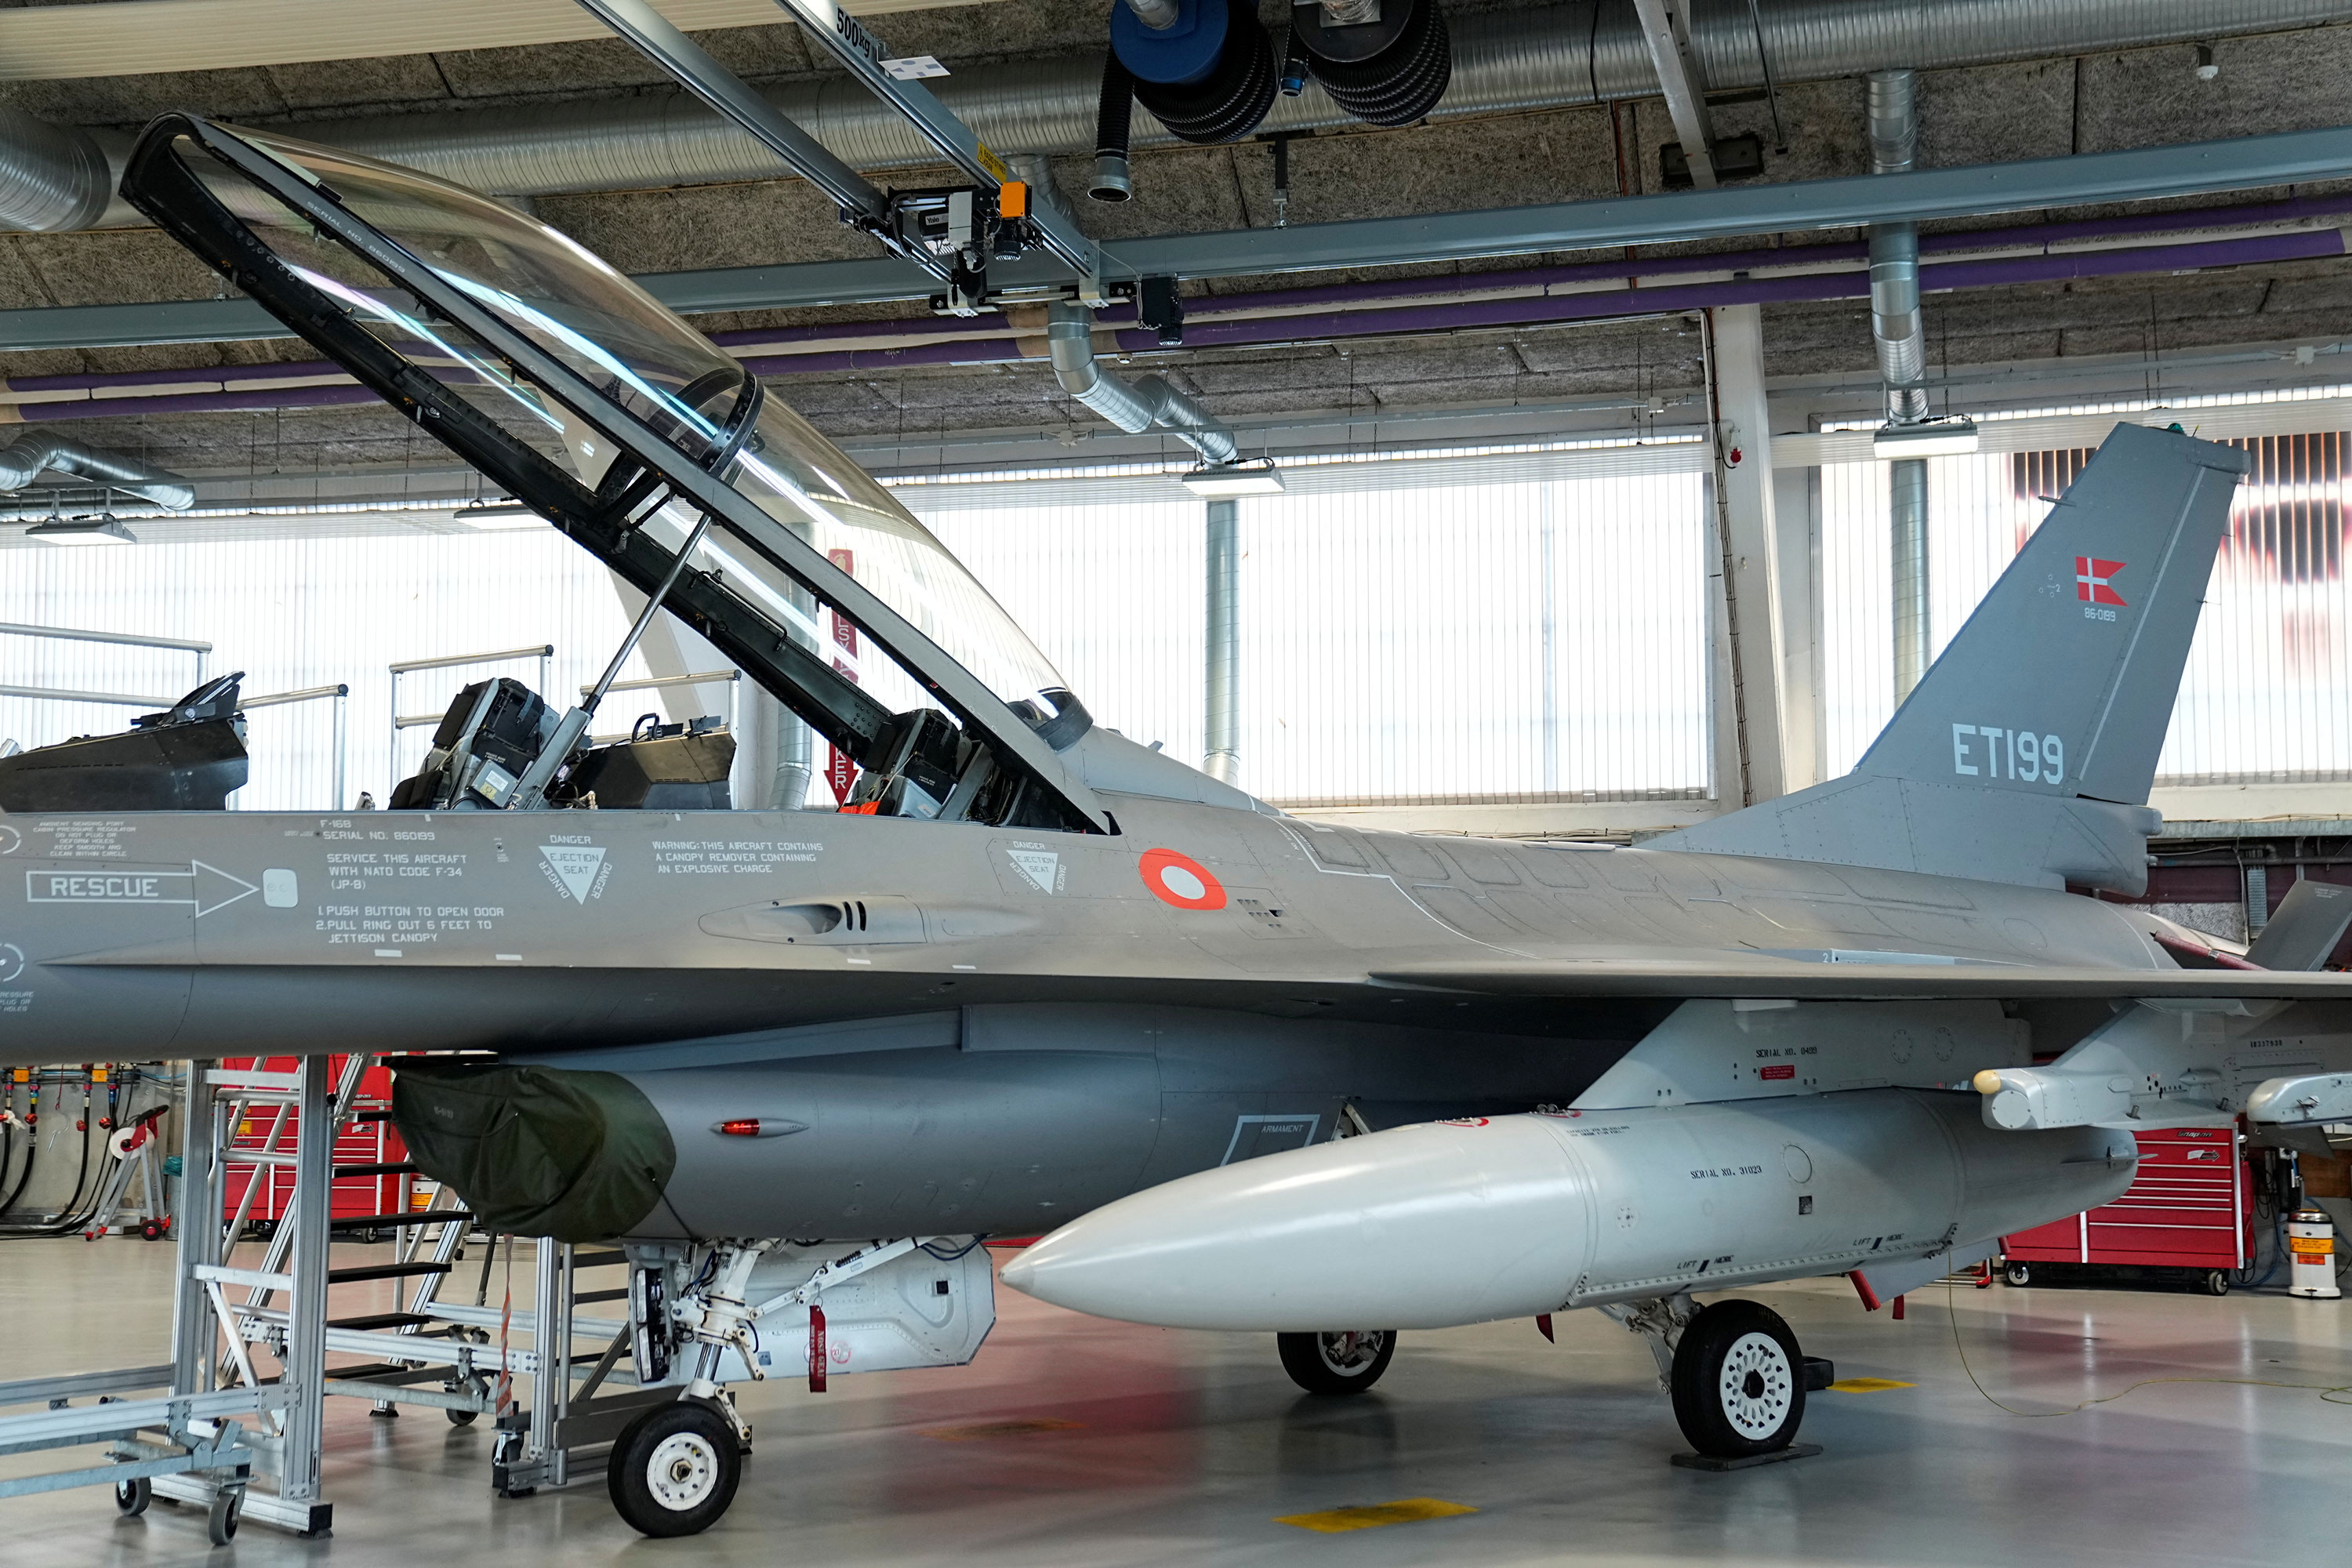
column 1180, row 880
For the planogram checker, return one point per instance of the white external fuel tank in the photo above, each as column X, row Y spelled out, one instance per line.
column 1463, row 1222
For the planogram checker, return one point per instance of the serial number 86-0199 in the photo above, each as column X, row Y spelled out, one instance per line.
column 1986, row 751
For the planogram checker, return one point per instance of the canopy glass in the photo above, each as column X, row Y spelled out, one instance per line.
column 579, row 310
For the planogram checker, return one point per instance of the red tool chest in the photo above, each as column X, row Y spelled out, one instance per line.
column 367, row 1140
column 2191, row 1206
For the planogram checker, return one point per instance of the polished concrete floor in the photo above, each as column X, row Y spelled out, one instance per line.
column 1117, row 1445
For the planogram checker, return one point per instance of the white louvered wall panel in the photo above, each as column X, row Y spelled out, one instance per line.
column 2267, row 693
column 1531, row 639
column 304, row 613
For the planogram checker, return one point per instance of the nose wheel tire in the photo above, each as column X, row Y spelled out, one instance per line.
column 1348, row 1362
column 1739, row 1380
column 675, row 1469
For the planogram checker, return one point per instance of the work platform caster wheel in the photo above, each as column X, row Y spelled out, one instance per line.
column 2019, row 1274
column 1345, row 1363
column 131, row 1497
column 220, row 1523
column 150, row 1231
column 460, row 1417
column 1739, row 1380
column 675, row 1469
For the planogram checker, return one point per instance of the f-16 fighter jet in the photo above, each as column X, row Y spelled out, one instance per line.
column 1263, row 1073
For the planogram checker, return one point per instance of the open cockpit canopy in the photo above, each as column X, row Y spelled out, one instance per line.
column 582, row 396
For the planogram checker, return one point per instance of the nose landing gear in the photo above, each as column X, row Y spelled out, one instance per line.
column 675, row 1469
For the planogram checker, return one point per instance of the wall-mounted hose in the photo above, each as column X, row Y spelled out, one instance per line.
column 1390, row 71
column 1112, row 121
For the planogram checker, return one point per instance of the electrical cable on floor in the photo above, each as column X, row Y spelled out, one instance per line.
column 1951, row 1309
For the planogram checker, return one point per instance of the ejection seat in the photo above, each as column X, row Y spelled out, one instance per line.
column 496, row 729
column 188, row 758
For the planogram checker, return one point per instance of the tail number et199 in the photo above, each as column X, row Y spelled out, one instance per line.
column 1985, row 751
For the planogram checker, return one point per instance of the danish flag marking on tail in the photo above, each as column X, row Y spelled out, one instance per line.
column 2092, row 577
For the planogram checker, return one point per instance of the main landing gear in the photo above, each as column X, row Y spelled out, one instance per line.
column 1734, row 1369
column 1348, row 1362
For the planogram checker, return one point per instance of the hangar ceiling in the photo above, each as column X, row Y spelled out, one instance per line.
column 2051, row 107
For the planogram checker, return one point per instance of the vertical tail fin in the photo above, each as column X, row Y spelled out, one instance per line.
column 2027, row 753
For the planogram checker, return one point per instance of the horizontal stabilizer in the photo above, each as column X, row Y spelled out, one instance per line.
column 2305, row 927
column 2027, row 753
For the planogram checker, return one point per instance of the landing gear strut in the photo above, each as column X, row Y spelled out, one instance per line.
column 1346, row 1362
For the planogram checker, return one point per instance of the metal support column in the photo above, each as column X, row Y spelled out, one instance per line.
column 1748, row 702
column 304, row 1370
column 1906, row 497
column 1221, row 729
column 205, row 1131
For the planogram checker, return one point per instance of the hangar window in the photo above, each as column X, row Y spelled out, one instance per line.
column 2267, row 693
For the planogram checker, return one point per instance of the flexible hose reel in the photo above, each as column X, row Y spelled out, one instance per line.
column 1208, row 70
column 1390, row 71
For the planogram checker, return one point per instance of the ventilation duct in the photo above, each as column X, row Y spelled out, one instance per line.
column 1892, row 104
column 1135, row 406
column 1501, row 62
column 26, row 458
column 53, row 178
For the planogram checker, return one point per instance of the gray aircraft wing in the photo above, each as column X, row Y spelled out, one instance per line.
column 1863, row 980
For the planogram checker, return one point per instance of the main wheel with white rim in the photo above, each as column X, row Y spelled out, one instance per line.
column 675, row 1469
column 1739, row 1380
column 1348, row 1362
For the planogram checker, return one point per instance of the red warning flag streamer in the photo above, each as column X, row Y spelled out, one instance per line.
column 816, row 1349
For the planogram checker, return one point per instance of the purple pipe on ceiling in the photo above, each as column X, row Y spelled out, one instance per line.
column 1458, row 316
column 992, row 325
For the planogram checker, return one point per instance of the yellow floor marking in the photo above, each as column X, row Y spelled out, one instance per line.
column 1867, row 1385
column 1409, row 1510
column 1000, row 1429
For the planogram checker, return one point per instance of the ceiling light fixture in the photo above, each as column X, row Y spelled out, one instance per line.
column 495, row 516
column 102, row 529
column 1935, row 438
column 1217, row 481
